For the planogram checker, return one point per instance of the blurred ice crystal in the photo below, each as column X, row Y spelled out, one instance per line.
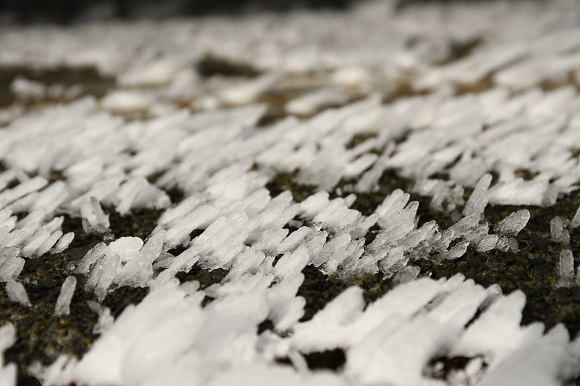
column 94, row 219
column 559, row 234
column 312, row 102
column 7, row 370
column 576, row 219
column 28, row 89
column 62, row 306
column 17, row 293
column 566, row 268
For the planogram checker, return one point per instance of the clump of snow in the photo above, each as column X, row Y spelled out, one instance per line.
column 126, row 101
column 249, row 91
column 316, row 100
column 27, row 89
column 150, row 73
column 31, row 91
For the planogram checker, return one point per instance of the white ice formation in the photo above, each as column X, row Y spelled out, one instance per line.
column 65, row 296
column 7, row 370
column 499, row 126
column 169, row 337
column 17, row 293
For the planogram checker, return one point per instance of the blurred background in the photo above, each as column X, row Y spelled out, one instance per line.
column 75, row 11
column 71, row 11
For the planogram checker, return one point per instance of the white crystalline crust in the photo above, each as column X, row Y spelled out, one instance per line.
column 170, row 337
column 163, row 127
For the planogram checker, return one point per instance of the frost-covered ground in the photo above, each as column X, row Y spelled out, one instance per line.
column 213, row 171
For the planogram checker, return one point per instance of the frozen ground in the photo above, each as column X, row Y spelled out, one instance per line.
column 361, row 198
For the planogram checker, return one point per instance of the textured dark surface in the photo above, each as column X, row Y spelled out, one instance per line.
column 70, row 11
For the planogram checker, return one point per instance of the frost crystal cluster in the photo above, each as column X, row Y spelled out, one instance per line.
column 389, row 100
